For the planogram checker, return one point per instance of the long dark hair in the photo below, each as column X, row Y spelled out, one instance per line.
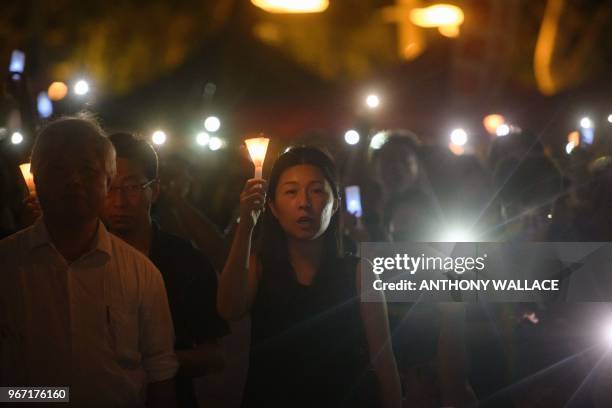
column 272, row 242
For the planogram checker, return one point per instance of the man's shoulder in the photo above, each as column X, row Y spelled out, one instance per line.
column 172, row 246
column 178, row 254
column 15, row 243
column 168, row 241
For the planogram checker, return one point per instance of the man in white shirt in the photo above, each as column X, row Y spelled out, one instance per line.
column 78, row 306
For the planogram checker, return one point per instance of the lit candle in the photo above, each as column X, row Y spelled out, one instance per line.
column 257, row 147
column 28, row 177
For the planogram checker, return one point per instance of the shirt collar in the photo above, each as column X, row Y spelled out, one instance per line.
column 39, row 236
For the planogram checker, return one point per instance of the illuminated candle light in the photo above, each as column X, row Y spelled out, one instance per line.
column 28, row 177
column 257, row 147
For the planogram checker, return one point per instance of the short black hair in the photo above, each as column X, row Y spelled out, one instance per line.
column 394, row 139
column 130, row 147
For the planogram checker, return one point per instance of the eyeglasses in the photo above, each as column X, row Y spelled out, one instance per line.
column 130, row 190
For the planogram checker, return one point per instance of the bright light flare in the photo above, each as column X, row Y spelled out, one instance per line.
column 372, row 101
column 212, row 124
column 16, row 138
column 607, row 333
column 502, row 130
column 203, row 138
column 457, row 234
column 459, row 137
column 609, row 118
column 215, row 143
column 586, row 123
column 569, row 147
column 257, row 147
column 378, row 140
column 438, row 15
column 351, row 137
column 81, row 87
column 159, row 137
column 292, row 6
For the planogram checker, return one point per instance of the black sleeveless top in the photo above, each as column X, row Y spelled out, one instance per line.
column 308, row 344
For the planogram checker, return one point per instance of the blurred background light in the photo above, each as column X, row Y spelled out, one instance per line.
column 450, row 31
column 203, row 139
column 586, row 123
column 57, row 91
column 456, row 234
column 212, row 124
column 159, row 137
column 44, row 105
column 456, row 149
column 610, row 118
column 607, row 333
column 492, row 122
column 17, row 63
column 437, row 15
column 292, row 6
column 351, row 137
column 215, row 143
column 502, row 130
column 587, row 130
column 16, row 138
column 569, row 147
column 378, row 140
column 459, row 137
column 372, row 101
column 574, row 137
column 81, row 87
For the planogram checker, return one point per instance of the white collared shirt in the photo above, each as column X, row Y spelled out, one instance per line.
column 100, row 324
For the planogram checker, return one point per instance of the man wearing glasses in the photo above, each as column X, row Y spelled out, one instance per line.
column 191, row 281
column 78, row 306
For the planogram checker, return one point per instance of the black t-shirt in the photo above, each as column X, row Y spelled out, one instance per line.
column 191, row 285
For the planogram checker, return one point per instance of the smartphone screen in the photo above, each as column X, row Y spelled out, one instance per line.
column 353, row 200
column 587, row 135
column 17, row 62
column 44, row 105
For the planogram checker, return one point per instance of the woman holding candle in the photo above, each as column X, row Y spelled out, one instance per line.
column 313, row 342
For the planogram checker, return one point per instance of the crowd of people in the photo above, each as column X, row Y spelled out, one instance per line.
column 114, row 280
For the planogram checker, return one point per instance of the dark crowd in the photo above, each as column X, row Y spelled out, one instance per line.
column 135, row 281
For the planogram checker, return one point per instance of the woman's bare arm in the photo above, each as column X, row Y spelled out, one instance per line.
column 238, row 280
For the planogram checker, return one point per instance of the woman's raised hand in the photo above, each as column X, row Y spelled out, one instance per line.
column 252, row 201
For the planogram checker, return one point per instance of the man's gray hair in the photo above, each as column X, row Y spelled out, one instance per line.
column 78, row 130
